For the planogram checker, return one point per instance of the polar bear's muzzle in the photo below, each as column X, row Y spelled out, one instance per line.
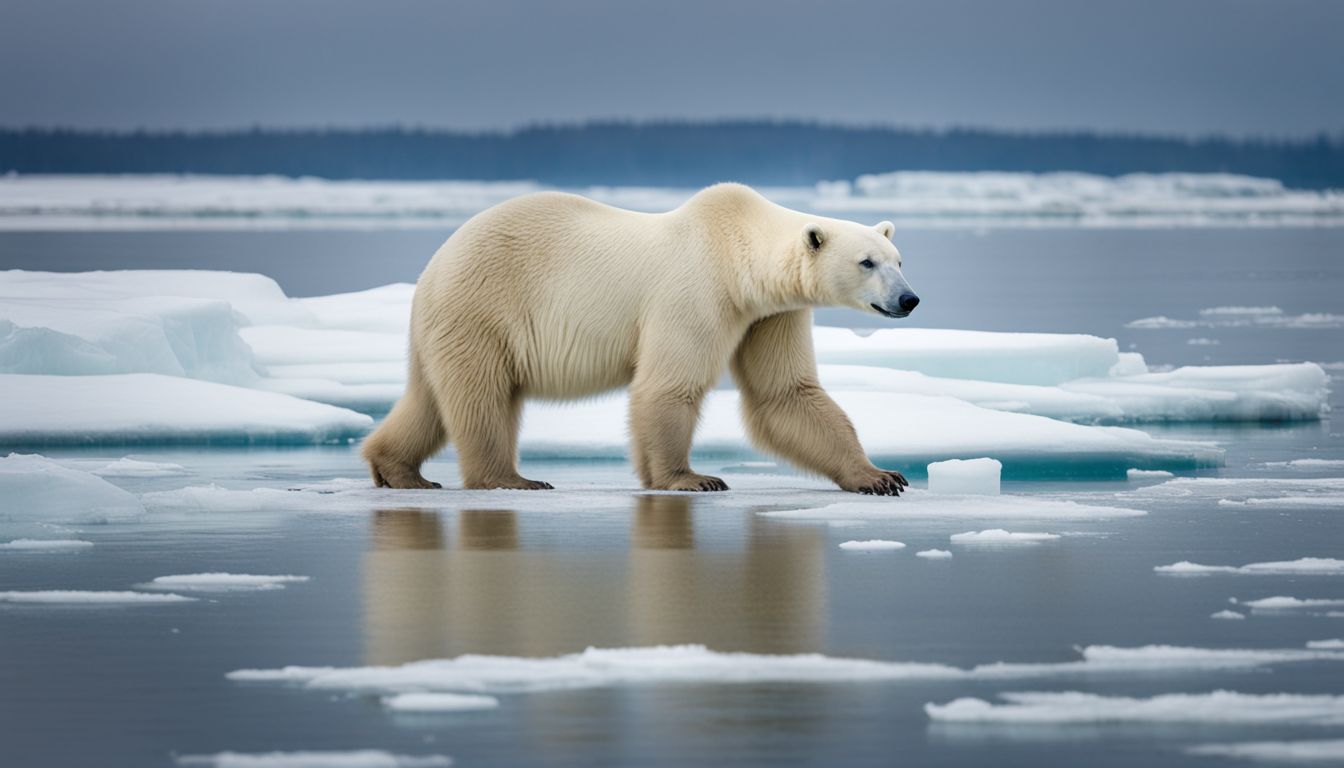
column 905, row 305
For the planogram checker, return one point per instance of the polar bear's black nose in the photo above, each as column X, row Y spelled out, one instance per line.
column 908, row 301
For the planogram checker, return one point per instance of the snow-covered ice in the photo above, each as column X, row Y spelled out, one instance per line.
column 46, row 545
column 360, row 758
column 1226, row 614
column 1306, row 566
column 89, row 597
column 439, row 702
column 934, row 554
column 37, row 489
column 961, row 477
column 997, row 536
column 222, row 582
column 872, row 545
column 1304, row 751
column 1062, row 707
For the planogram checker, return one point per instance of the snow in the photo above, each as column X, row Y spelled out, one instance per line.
column 872, row 544
column 363, row 758
column 1226, row 614
column 37, row 489
column 151, row 408
column 696, row 664
column 996, row 536
column 1306, row 566
column 46, row 545
column 439, row 702
column 1313, row 751
column 1147, row 474
column 917, row 504
column 912, row 198
column 961, row 477
column 1283, row 603
column 934, row 554
column 1063, row 707
column 84, row 597
column 222, row 582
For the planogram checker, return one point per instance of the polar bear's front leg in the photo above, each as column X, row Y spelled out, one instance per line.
column 664, row 409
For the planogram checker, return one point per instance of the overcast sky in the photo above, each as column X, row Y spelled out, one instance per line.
column 1171, row 66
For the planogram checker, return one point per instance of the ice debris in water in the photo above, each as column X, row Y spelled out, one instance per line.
column 46, row 545
column 222, row 582
column 996, row 536
column 1334, row 644
column 872, row 544
column 1226, row 614
column 439, row 702
column 1284, row 603
column 1305, row 566
column 934, row 554
column 978, row 477
column 1077, row 707
column 359, row 758
column 1304, row 751
column 85, row 597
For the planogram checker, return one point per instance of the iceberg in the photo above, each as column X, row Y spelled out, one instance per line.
column 144, row 408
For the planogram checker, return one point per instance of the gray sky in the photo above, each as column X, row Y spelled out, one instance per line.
column 1171, row 66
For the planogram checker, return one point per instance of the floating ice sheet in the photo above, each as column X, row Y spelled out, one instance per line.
column 362, row 758
column 46, row 545
column 1065, row 707
column 1306, row 566
column 1227, row 615
column 916, row 504
column 144, row 408
column 1305, row 751
column 872, row 545
column 1249, row 491
column 439, row 702
column 998, row 536
column 1284, row 603
column 37, row 489
column 934, row 554
column 1242, row 317
column 89, row 597
column 223, row 582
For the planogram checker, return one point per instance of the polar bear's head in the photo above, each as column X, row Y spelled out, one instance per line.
column 858, row 267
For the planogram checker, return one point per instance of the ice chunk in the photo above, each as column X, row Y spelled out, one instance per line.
column 1326, row 644
column 1283, row 603
column 37, row 489
column 1015, row 358
column 934, row 554
column 1306, row 566
column 47, row 545
column 148, row 408
column 1307, row 751
column 872, row 544
column 1242, row 317
column 997, row 536
column 1308, row 464
column 1226, row 614
column 360, row 758
column 222, row 582
column 1077, row 707
column 1148, row 474
column 1285, row 392
column 84, row 597
column 979, row 477
column 439, row 702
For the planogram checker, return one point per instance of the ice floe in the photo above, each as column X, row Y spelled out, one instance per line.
column 959, row 477
column 872, row 545
column 1334, row 644
column 128, row 467
column 222, row 582
column 998, row 536
column 1242, row 317
column 1228, row 615
column 1310, row 751
column 360, row 758
column 46, row 545
column 1147, row 474
column 1249, row 491
column 1306, row 566
column 1063, row 707
column 89, row 597
column 439, row 702
column 1307, row 464
column 934, row 554
column 37, row 489
column 916, row 504
column 694, row 664
column 1283, row 603
column 143, row 408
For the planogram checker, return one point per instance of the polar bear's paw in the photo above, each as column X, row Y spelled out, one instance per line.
column 877, row 482
column 690, row 481
column 516, row 483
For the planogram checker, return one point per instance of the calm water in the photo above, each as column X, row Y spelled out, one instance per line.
column 132, row 686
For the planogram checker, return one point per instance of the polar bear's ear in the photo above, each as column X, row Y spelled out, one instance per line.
column 886, row 229
column 813, row 236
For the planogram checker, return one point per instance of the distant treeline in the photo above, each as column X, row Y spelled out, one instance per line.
column 671, row 153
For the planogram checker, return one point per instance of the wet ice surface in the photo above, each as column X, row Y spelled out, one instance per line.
column 728, row 627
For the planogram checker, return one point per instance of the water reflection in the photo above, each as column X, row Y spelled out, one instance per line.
column 493, row 581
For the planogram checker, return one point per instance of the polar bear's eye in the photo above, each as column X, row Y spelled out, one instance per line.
column 867, row 264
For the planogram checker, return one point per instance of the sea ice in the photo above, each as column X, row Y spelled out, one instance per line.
column 222, row 582
column 872, row 544
column 1242, row 317
column 1307, row 464
column 128, row 467
column 37, row 489
column 1282, row 603
column 1249, row 491
column 960, row 477
column 1148, row 474
column 1226, row 614
column 1326, row 644
column 46, row 545
column 149, row 408
column 1306, row 566
column 1063, row 707
column 439, row 702
column 1304, row 751
column 916, row 504
column 362, row 758
column 84, row 597
column 934, row 554
column 997, row 536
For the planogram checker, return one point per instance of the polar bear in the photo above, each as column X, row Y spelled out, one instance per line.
column 555, row 296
